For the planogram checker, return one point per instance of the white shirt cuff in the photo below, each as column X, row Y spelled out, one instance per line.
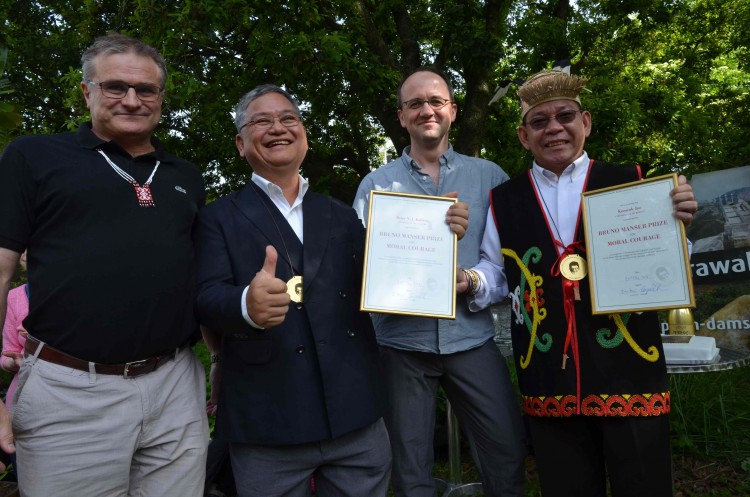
column 245, row 315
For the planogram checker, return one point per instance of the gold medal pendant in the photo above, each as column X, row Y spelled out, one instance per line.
column 294, row 288
column 573, row 267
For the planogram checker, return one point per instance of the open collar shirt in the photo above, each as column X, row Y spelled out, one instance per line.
column 561, row 199
column 472, row 178
column 292, row 213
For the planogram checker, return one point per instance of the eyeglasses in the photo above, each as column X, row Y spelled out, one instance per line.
column 118, row 89
column 565, row 117
column 267, row 122
column 434, row 102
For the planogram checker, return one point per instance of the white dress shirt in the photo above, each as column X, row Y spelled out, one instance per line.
column 292, row 213
column 561, row 198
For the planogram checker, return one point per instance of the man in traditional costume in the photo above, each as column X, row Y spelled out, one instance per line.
column 594, row 387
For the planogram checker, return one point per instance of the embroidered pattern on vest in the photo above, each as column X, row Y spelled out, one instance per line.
column 532, row 302
column 560, row 406
column 622, row 332
column 532, row 313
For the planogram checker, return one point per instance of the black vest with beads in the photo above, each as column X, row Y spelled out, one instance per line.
column 615, row 366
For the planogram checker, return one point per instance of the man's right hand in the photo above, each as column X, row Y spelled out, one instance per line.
column 267, row 300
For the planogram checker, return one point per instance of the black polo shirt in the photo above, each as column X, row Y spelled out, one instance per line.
column 110, row 281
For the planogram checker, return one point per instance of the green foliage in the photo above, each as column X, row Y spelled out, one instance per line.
column 713, row 298
column 10, row 115
column 6, row 472
column 669, row 80
column 201, row 352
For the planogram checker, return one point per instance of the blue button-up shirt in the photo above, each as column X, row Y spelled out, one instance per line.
column 473, row 179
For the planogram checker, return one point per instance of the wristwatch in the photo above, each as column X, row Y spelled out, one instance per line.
column 215, row 358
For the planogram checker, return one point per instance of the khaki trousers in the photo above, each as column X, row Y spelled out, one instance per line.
column 85, row 434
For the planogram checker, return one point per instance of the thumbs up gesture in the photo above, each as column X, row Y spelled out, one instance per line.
column 267, row 301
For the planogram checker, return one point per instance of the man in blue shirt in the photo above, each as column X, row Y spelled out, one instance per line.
column 419, row 354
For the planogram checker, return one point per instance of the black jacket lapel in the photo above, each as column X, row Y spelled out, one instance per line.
column 317, row 229
column 260, row 210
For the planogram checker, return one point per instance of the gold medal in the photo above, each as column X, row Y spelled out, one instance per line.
column 294, row 288
column 573, row 267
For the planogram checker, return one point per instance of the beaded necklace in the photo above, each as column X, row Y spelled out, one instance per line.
column 142, row 193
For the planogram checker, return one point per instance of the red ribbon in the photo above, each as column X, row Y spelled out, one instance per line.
column 571, row 336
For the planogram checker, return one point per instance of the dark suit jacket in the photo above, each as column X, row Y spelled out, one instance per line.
column 316, row 376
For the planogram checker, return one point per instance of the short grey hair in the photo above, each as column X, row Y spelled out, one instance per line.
column 241, row 108
column 116, row 43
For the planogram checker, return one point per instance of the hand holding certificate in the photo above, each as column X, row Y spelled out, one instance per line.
column 410, row 256
column 636, row 249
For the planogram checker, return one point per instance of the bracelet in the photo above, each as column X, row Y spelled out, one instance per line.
column 476, row 282
column 473, row 280
column 468, row 279
column 215, row 358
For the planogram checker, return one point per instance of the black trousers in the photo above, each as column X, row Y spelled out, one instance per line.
column 575, row 455
column 478, row 387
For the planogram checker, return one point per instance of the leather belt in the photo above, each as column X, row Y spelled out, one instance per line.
column 126, row 370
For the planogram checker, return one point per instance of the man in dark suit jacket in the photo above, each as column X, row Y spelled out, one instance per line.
column 301, row 392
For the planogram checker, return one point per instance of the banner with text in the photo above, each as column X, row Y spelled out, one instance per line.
column 720, row 261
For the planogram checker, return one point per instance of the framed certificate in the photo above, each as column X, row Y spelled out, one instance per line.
column 410, row 256
column 636, row 250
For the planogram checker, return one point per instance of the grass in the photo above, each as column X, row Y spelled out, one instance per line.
column 710, row 426
column 711, row 415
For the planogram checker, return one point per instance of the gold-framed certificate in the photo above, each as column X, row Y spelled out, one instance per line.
column 410, row 256
column 636, row 249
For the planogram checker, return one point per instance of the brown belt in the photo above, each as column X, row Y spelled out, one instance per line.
column 127, row 370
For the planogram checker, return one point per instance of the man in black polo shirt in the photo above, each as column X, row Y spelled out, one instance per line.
column 110, row 396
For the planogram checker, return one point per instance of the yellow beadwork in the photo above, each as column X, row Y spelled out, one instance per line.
column 538, row 314
column 653, row 353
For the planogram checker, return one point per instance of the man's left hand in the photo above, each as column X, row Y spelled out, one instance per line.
column 6, row 433
column 14, row 364
column 457, row 216
column 684, row 201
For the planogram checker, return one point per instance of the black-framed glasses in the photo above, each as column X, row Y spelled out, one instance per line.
column 434, row 102
column 565, row 117
column 264, row 123
column 118, row 89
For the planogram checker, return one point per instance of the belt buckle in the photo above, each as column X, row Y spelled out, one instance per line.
column 135, row 365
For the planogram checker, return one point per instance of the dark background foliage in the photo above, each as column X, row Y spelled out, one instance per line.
column 668, row 80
